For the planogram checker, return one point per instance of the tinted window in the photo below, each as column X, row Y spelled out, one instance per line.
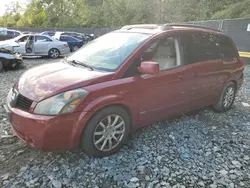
column 42, row 39
column 62, row 38
column 3, row 32
column 226, row 48
column 51, row 33
column 10, row 33
column 66, row 38
column 71, row 39
column 198, row 47
column 17, row 33
column 23, row 39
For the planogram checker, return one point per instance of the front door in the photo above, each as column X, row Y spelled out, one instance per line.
column 166, row 93
column 20, row 48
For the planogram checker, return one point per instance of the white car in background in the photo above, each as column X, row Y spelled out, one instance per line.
column 36, row 45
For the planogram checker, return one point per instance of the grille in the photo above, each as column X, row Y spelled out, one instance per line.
column 23, row 102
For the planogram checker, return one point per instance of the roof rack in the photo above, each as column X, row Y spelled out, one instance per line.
column 142, row 26
column 168, row 26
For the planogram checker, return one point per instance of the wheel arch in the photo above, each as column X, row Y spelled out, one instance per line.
column 119, row 105
column 54, row 48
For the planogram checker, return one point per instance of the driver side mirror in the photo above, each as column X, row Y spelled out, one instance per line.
column 149, row 67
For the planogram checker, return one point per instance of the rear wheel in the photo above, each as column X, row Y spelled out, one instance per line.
column 74, row 48
column 106, row 132
column 54, row 53
column 227, row 98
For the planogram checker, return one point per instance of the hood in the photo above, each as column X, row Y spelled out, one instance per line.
column 9, row 42
column 50, row 79
column 6, row 51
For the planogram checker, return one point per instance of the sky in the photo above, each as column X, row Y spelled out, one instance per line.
column 3, row 4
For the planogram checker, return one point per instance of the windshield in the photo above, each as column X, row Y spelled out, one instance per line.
column 108, row 52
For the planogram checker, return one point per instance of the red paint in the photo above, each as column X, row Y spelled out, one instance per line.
column 149, row 67
column 148, row 98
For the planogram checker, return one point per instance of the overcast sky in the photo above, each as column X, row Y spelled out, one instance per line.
column 3, row 4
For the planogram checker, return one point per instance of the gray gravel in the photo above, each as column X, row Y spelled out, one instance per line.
column 201, row 149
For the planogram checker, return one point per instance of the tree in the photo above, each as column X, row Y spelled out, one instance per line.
column 113, row 13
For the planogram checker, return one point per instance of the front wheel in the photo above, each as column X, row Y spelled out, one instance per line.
column 54, row 53
column 227, row 98
column 106, row 132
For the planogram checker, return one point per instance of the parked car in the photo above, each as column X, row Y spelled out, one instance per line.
column 74, row 43
column 36, row 45
column 10, row 59
column 79, row 36
column 8, row 34
column 122, row 81
column 48, row 33
column 90, row 37
column 28, row 32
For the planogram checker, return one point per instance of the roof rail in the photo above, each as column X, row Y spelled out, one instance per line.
column 167, row 26
column 142, row 26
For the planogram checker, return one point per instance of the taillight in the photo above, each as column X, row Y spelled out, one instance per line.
column 66, row 45
column 242, row 63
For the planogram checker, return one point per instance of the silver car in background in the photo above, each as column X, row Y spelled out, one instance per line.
column 36, row 45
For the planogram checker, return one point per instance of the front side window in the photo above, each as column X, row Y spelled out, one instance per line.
column 109, row 51
column 23, row 39
column 165, row 53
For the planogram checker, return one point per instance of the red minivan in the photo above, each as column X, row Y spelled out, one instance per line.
column 121, row 81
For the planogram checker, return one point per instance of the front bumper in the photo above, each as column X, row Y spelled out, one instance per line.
column 46, row 132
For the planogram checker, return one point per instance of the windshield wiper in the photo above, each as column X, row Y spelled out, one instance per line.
column 76, row 62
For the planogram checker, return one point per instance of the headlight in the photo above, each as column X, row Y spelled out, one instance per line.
column 63, row 103
column 18, row 56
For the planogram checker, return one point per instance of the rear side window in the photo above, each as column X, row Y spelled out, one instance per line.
column 226, row 48
column 199, row 47
column 42, row 39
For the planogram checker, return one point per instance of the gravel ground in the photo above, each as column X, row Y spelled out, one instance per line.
column 201, row 149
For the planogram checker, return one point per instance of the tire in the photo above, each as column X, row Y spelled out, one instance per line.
column 228, row 94
column 1, row 65
column 74, row 48
column 54, row 53
column 20, row 66
column 95, row 142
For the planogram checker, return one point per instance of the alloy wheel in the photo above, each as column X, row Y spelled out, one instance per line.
column 54, row 53
column 228, row 97
column 109, row 132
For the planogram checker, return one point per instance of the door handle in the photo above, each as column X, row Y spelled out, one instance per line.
column 194, row 74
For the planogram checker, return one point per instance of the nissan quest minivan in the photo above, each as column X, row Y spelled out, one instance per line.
column 121, row 81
